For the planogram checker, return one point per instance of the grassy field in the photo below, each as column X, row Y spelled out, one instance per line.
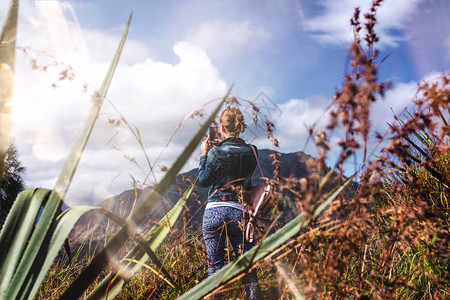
column 184, row 256
column 386, row 239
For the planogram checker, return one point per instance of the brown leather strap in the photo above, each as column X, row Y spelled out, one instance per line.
column 250, row 231
column 257, row 160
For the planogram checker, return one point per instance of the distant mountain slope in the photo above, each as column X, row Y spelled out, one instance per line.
column 93, row 228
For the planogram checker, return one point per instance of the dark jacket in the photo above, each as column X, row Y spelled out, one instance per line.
column 230, row 164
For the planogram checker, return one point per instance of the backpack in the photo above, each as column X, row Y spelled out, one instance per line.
column 258, row 201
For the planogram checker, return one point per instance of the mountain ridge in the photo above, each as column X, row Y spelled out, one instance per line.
column 93, row 228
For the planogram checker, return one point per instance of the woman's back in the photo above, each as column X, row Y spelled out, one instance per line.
column 227, row 168
column 230, row 164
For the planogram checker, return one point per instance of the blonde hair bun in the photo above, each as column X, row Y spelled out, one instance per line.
column 233, row 121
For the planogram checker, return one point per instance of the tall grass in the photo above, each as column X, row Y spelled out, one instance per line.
column 29, row 249
column 388, row 238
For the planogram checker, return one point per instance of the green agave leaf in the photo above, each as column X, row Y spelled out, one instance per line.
column 16, row 231
column 143, row 244
column 137, row 257
column 139, row 238
column 118, row 240
column 151, row 269
column 62, row 185
column 55, row 237
column 7, row 53
column 167, row 180
column 258, row 252
column 23, row 276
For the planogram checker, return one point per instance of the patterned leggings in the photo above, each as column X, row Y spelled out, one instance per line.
column 215, row 234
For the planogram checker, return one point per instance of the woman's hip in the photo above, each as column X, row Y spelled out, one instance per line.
column 217, row 217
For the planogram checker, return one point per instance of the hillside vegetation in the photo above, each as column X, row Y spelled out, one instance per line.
column 385, row 238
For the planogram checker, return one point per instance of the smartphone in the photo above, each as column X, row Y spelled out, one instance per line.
column 213, row 134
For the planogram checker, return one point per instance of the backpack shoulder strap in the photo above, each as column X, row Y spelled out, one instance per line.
column 257, row 160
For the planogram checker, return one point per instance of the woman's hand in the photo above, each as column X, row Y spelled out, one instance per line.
column 206, row 145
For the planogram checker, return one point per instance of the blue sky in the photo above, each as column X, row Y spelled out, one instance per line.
column 180, row 55
column 289, row 51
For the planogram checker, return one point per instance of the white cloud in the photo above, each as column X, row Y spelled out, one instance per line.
column 333, row 25
column 134, row 52
column 292, row 121
column 395, row 101
column 221, row 39
column 152, row 95
column 298, row 115
column 398, row 101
